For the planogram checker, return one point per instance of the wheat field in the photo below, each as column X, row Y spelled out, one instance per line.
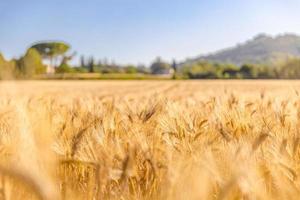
column 149, row 140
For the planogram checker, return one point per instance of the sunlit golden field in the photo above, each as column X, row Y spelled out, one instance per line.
column 149, row 140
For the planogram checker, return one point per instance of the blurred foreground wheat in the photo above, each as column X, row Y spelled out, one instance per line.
column 150, row 140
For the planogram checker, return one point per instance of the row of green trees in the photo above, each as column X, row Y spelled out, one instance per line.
column 199, row 70
column 105, row 67
column 207, row 70
column 88, row 64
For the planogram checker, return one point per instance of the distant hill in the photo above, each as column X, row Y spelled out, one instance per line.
column 261, row 49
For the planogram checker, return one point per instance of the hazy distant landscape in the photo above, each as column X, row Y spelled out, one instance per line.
column 263, row 57
column 262, row 49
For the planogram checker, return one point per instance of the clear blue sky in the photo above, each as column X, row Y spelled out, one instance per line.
column 136, row 31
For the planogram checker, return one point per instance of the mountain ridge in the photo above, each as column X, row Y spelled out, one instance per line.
column 261, row 49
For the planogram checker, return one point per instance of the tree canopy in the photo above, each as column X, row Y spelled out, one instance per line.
column 7, row 68
column 160, row 67
column 51, row 49
column 31, row 63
